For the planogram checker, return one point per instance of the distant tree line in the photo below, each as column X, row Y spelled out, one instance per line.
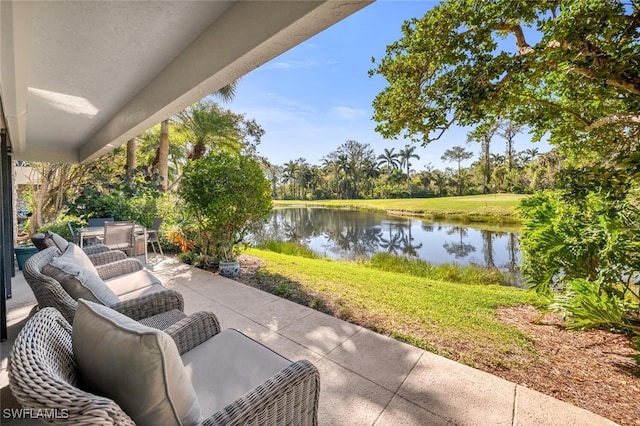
column 355, row 171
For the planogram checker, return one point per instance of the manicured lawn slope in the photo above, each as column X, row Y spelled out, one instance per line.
column 472, row 207
column 456, row 320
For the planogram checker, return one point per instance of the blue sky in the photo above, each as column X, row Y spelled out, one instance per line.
column 318, row 95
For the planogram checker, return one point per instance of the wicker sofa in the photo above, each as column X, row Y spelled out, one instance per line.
column 138, row 294
column 227, row 378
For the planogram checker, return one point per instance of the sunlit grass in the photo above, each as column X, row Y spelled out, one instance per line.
column 464, row 274
column 492, row 207
column 435, row 314
column 289, row 248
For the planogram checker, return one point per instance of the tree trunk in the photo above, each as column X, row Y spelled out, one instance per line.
column 198, row 151
column 132, row 147
column 487, row 165
column 163, row 155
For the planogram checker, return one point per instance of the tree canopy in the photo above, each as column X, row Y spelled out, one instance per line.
column 567, row 69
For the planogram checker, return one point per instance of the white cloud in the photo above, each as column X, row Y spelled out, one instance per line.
column 347, row 113
column 283, row 65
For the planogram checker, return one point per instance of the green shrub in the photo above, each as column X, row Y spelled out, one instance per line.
column 60, row 227
column 132, row 195
column 590, row 304
column 226, row 195
column 582, row 246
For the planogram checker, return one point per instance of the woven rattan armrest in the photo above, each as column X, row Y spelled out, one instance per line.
column 118, row 268
column 150, row 304
column 95, row 249
column 291, row 394
column 106, row 257
column 42, row 376
column 193, row 330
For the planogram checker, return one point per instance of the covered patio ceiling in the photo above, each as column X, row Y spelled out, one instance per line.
column 78, row 78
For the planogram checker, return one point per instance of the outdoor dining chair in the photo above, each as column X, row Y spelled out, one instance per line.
column 120, row 236
column 99, row 221
column 153, row 236
column 75, row 238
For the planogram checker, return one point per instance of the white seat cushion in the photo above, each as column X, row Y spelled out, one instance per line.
column 227, row 366
column 131, row 282
column 155, row 288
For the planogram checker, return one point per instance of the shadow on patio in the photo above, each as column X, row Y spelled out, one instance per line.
column 366, row 378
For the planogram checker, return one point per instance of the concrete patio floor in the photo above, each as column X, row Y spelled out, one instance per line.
column 366, row 378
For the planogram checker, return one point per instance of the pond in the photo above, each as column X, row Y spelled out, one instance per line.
column 351, row 234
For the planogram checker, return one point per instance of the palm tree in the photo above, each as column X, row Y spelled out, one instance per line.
column 163, row 154
column 508, row 131
column 371, row 173
column 440, row 180
column 226, row 93
column 342, row 165
column 206, row 124
column 150, row 152
column 389, row 159
column 131, row 153
column 302, row 177
column 330, row 169
column 406, row 155
column 458, row 154
column 528, row 155
column 273, row 172
column 290, row 175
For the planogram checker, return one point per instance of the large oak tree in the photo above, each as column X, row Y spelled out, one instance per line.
column 567, row 69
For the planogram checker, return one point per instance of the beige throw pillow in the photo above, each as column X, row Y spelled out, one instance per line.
column 77, row 275
column 58, row 240
column 138, row 367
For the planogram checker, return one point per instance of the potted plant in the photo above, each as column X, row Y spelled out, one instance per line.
column 226, row 195
column 24, row 252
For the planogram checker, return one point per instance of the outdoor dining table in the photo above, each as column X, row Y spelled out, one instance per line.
column 98, row 231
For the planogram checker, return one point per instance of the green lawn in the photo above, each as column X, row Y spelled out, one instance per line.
column 493, row 207
column 452, row 319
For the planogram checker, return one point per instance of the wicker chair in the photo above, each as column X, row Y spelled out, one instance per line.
column 43, row 376
column 43, row 241
column 159, row 309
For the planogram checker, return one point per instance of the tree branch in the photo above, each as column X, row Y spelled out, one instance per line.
column 446, row 127
column 516, row 30
column 561, row 108
column 615, row 80
column 630, row 83
column 614, row 118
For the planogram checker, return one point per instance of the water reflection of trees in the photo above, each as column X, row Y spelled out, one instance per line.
column 398, row 239
column 487, row 248
column 350, row 234
column 460, row 249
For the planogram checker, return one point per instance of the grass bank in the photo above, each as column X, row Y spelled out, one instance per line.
column 452, row 319
column 470, row 208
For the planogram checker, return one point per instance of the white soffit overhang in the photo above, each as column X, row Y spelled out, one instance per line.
column 78, row 78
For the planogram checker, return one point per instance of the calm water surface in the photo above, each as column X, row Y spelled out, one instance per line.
column 351, row 234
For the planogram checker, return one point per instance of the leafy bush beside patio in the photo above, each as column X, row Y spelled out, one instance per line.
column 225, row 195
